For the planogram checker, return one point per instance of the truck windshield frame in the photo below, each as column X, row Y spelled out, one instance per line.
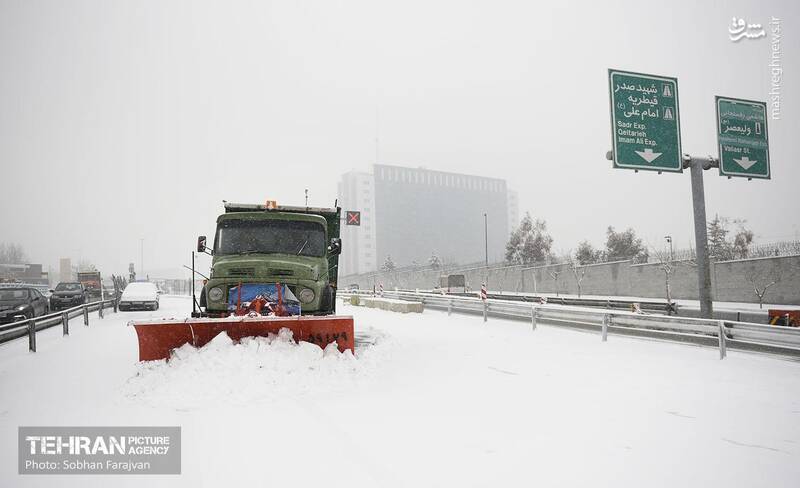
column 269, row 236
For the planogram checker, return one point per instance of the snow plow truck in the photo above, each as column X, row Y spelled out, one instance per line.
column 272, row 267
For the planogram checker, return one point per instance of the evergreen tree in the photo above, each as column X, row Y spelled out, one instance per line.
column 388, row 265
column 529, row 243
column 434, row 262
column 624, row 245
column 587, row 254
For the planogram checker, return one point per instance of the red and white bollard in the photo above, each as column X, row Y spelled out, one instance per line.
column 380, row 290
column 484, row 296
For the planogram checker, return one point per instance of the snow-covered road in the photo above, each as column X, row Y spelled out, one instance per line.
column 435, row 401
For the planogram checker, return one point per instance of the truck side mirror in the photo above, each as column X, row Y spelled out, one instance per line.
column 201, row 244
column 335, row 247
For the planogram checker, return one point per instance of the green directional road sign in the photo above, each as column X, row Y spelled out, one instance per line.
column 742, row 138
column 645, row 121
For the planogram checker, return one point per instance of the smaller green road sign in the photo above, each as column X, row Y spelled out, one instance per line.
column 742, row 138
column 645, row 123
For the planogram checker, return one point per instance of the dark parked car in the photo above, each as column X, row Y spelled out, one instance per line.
column 67, row 295
column 21, row 303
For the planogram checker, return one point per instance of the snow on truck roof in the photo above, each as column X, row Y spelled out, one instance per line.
column 250, row 207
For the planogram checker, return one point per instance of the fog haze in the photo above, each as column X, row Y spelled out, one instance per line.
column 124, row 121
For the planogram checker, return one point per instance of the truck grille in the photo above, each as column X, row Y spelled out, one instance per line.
column 281, row 272
column 241, row 272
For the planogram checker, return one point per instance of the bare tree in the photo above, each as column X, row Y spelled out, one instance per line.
column 554, row 272
column 12, row 253
column 667, row 265
column 762, row 280
column 578, row 270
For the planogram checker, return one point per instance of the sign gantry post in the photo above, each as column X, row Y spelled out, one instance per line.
column 703, row 261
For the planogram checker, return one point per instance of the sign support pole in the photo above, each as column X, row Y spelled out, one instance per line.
column 696, row 166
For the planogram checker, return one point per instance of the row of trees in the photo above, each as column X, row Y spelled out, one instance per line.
column 434, row 262
column 11, row 253
column 531, row 243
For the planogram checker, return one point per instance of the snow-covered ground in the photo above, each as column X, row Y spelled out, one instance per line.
column 428, row 400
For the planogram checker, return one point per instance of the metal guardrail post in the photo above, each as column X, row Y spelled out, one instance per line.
column 533, row 317
column 32, row 335
column 723, row 340
column 485, row 310
column 606, row 320
column 100, row 310
column 115, row 306
column 86, row 315
column 65, row 323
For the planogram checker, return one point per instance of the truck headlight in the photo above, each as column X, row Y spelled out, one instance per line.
column 306, row 295
column 215, row 294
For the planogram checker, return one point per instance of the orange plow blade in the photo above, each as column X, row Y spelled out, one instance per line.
column 158, row 339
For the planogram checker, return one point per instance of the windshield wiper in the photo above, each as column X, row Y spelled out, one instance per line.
column 249, row 251
column 302, row 247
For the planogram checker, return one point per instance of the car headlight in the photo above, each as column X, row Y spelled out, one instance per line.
column 306, row 295
column 21, row 308
column 215, row 294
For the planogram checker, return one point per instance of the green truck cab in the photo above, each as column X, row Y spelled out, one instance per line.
column 295, row 246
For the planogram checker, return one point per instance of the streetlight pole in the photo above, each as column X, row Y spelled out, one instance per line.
column 669, row 240
column 141, row 255
column 486, row 238
column 486, row 248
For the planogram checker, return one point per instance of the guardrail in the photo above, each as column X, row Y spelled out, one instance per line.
column 654, row 306
column 29, row 327
column 721, row 333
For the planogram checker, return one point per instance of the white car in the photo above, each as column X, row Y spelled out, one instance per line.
column 139, row 295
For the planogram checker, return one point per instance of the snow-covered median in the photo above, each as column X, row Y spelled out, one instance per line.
column 250, row 371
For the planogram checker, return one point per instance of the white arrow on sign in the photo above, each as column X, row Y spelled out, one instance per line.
column 745, row 162
column 649, row 156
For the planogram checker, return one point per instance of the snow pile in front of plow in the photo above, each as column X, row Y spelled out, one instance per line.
column 254, row 370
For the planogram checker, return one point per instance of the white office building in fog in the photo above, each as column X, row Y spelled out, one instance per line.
column 440, row 212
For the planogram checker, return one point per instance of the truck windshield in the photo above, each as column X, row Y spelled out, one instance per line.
column 270, row 236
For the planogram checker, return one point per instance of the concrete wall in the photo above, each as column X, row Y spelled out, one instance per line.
column 730, row 280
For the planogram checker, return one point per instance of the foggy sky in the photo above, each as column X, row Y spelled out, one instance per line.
column 129, row 120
